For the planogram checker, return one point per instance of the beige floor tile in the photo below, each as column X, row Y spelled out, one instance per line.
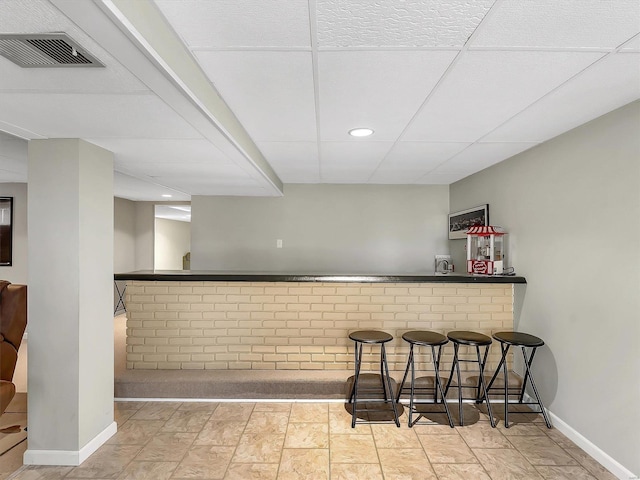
column 353, row 449
column 564, row 473
column 526, row 429
column 136, row 432
column 166, row 447
column 259, row 448
column 121, row 416
column 355, row 471
column 186, row 421
column 309, row 413
column 405, row 464
column 205, row 462
column 239, row 412
column 447, row 449
column 12, row 460
column 434, row 429
column 483, row 435
column 156, row 411
column 558, row 437
column 340, row 423
column 460, row 471
column 41, row 473
column 273, row 422
column 252, row 471
column 107, row 462
column 542, row 451
column 128, row 405
column 390, row 436
column 148, row 471
column 198, row 406
column 272, row 407
column 590, row 464
column 506, row 464
column 304, row 463
column 220, row 433
column 307, row 435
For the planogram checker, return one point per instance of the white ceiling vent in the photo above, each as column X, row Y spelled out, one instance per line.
column 51, row 50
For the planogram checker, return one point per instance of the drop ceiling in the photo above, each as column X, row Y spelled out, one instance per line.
column 241, row 97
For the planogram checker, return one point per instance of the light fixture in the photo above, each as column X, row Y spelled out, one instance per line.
column 166, row 195
column 361, row 132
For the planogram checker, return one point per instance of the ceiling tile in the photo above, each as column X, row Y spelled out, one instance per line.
column 485, row 89
column 351, row 162
column 363, row 88
column 409, row 23
column 480, row 156
column 132, row 188
column 38, row 16
column 112, row 79
column 271, row 93
column 239, row 23
column 440, row 179
column 133, row 151
column 408, row 161
column 632, row 45
column 294, row 162
column 605, row 86
column 553, row 23
column 94, row 116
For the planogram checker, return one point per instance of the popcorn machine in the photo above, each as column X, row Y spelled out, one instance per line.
column 485, row 250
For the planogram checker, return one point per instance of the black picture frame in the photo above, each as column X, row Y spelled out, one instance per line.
column 460, row 221
column 6, row 231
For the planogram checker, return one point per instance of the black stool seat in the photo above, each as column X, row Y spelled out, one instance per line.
column 524, row 341
column 519, row 339
column 370, row 336
column 464, row 337
column 424, row 337
column 474, row 340
column 434, row 340
column 373, row 338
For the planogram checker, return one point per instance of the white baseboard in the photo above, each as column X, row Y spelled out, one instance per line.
column 585, row 444
column 69, row 457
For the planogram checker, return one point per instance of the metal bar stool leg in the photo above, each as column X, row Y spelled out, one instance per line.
column 527, row 364
column 505, row 350
column 484, row 387
column 406, row 372
column 438, row 386
column 358, row 355
column 391, row 397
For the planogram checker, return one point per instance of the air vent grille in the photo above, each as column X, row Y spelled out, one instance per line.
column 45, row 51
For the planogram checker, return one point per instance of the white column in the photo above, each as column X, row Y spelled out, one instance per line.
column 70, row 369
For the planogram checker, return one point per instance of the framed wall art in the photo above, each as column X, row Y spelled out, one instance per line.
column 6, row 230
column 460, row 221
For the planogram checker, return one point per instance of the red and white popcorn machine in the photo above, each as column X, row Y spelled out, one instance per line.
column 485, row 250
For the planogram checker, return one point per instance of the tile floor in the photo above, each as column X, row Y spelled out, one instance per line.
column 243, row 441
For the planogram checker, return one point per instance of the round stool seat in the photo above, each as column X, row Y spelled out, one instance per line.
column 424, row 337
column 370, row 336
column 519, row 339
column 469, row 338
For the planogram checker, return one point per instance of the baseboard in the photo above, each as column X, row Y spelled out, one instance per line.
column 585, row 444
column 69, row 457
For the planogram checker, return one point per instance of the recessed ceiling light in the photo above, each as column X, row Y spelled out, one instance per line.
column 360, row 132
column 166, row 195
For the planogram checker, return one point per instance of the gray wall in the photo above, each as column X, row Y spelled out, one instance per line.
column 324, row 228
column 124, row 235
column 172, row 242
column 145, row 225
column 572, row 206
column 17, row 272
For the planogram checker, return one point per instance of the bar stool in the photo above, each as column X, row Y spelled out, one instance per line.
column 371, row 337
column 427, row 339
column 477, row 340
column 524, row 341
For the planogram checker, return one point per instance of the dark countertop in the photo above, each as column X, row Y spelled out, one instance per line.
column 216, row 276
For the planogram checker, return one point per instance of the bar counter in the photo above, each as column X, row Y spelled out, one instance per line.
column 199, row 320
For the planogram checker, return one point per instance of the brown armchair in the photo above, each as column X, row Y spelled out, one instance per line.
column 13, row 322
